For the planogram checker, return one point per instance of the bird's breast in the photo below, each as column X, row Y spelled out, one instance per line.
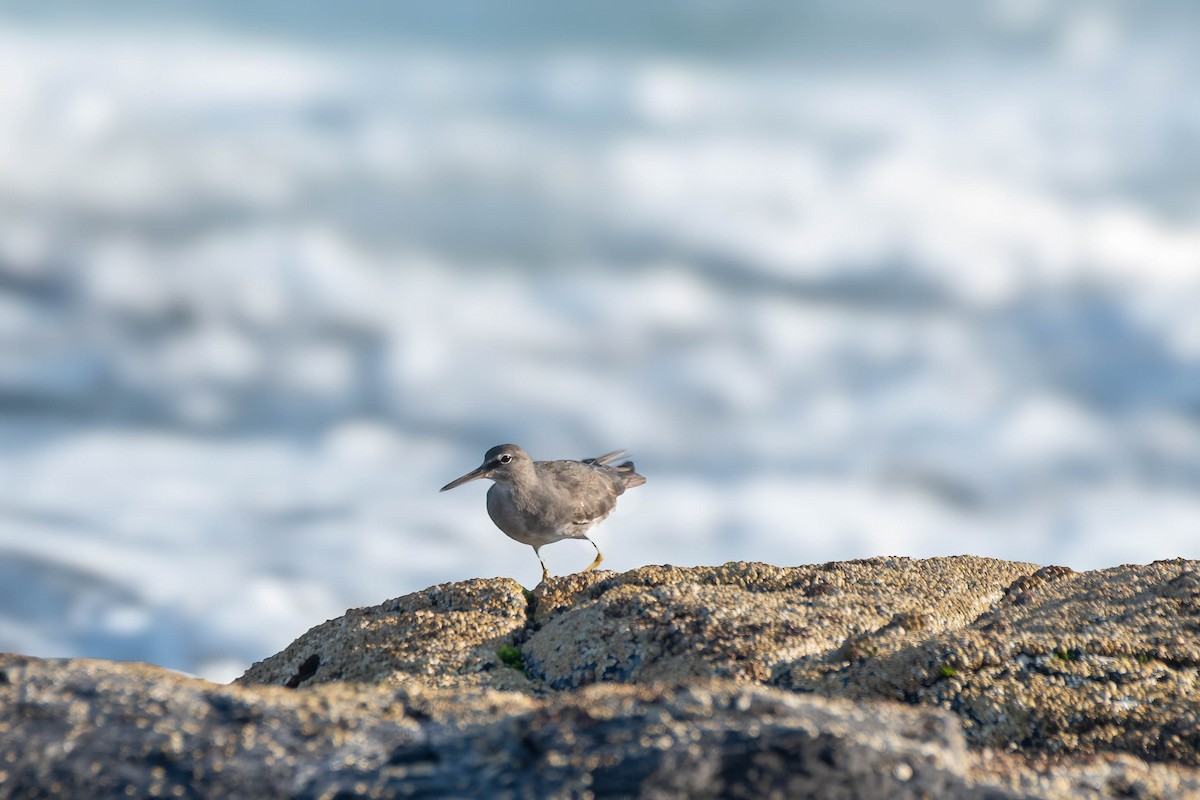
column 517, row 520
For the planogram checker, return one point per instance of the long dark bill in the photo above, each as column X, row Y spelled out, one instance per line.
column 473, row 475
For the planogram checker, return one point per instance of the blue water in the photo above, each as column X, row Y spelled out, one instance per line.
column 848, row 282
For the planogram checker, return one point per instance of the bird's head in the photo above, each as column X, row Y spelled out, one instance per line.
column 498, row 465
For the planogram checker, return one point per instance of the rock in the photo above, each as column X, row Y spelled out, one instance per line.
column 746, row 621
column 951, row 677
column 99, row 729
column 87, row 728
column 1109, row 775
column 719, row 739
column 447, row 635
column 1065, row 662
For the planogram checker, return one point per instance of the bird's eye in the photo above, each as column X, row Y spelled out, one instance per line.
column 504, row 459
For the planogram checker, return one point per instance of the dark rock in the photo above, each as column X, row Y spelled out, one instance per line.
column 100, row 729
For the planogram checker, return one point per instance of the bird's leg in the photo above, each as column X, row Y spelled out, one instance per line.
column 599, row 558
column 545, row 572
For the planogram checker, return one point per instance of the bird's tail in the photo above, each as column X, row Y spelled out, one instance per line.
column 627, row 471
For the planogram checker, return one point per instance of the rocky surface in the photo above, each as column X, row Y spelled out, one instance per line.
column 448, row 635
column 1065, row 662
column 745, row 621
column 76, row 729
column 954, row 677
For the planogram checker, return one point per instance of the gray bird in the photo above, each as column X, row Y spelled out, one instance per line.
column 541, row 502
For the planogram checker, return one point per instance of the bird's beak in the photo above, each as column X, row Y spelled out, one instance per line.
column 473, row 475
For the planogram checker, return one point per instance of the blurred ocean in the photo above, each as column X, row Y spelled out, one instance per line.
column 847, row 280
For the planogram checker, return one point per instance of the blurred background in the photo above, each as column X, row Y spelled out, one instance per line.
column 847, row 280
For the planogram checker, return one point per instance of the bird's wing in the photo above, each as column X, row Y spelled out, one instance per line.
column 593, row 491
column 598, row 505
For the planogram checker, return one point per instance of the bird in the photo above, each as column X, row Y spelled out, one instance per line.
column 541, row 502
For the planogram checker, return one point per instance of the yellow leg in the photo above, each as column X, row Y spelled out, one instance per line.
column 599, row 558
column 545, row 572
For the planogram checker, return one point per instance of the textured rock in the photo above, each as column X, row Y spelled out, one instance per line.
column 848, row 679
column 1065, row 662
column 722, row 740
column 97, row 729
column 100, row 729
column 1108, row 775
column 447, row 635
column 1047, row 660
column 746, row 621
